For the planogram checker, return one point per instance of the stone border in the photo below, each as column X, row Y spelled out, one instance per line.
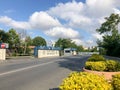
column 107, row 75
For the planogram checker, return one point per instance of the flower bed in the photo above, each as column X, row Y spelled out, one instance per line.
column 84, row 81
column 98, row 74
column 99, row 65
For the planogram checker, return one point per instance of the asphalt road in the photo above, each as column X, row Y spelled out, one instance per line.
column 38, row 74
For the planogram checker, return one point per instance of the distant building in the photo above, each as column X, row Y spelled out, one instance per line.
column 70, row 51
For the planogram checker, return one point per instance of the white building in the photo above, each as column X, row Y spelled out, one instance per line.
column 70, row 51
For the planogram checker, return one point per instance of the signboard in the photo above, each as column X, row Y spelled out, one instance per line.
column 4, row 45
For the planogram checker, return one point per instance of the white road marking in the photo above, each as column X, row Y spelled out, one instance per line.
column 21, row 69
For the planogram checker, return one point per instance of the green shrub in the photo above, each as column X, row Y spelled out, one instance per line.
column 112, row 65
column 97, row 66
column 84, row 81
column 116, row 82
column 96, row 57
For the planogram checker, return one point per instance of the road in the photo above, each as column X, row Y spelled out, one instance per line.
column 38, row 74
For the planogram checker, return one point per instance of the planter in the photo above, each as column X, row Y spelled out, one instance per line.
column 107, row 75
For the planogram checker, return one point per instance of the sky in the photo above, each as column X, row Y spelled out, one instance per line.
column 54, row 19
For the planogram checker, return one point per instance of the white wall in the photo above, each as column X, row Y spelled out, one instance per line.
column 48, row 53
column 2, row 54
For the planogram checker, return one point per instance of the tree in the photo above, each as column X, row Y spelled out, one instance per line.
column 4, row 37
column 111, row 37
column 28, row 43
column 80, row 48
column 14, row 40
column 39, row 41
column 65, row 43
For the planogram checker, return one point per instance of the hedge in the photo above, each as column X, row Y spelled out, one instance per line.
column 116, row 82
column 96, row 57
column 85, row 81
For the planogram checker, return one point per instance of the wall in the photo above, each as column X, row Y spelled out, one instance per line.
column 48, row 53
column 2, row 54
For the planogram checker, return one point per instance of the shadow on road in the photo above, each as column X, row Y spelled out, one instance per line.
column 74, row 63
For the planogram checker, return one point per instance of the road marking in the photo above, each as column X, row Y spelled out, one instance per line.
column 21, row 69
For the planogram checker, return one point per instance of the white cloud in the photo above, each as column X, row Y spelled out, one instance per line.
column 41, row 20
column 66, row 10
column 97, row 36
column 14, row 24
column 117, row 11
column 84, row 15
column 78, row 41
column 61, row 32
column 38, row 20
column 89, row 42
column 98, row 8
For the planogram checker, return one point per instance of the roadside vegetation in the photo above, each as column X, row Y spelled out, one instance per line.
column 92, row 81
column 109, row 45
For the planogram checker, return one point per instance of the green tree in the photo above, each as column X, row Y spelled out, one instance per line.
column 111, row 37
column 28, row 43
column 14, row 40
column 65, row 43
column 4, row 37
column 39, row 41
column 80, row 48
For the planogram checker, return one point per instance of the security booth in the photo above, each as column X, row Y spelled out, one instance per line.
column 70, row 51
column 2, row 51
column 46, row 51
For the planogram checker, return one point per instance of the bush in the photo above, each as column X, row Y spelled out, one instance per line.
column 116, row 82
column 112, row 65
column 97, row 66
column 84, row 81
column 96, row 57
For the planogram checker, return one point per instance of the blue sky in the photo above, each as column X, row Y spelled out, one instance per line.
column 53, row 19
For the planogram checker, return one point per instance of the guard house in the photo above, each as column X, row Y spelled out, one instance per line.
column 70, row 51
column 46, row 51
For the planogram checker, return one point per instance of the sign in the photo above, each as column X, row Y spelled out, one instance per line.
column 2, row 45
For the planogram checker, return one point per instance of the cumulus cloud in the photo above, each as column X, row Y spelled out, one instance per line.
column 97, row 36
column 42, row 20
column 78, row 41
column 38, row 20
column 15, row 24
column 84, row 15
column 61, row 32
